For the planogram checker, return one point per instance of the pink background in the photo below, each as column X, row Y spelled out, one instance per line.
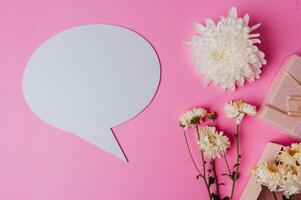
column 39, row 162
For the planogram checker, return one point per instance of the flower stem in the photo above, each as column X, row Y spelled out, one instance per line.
column 215, row 177
column 195, row 165
column 204, row 166
column 293, row 197
column 237, row 165
column 204, row 177
column 214, row 122
column 227, row 164
column 274, row 195
column 190, row 154
column 262, row 192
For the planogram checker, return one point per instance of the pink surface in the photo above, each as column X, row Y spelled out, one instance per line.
column 39, row 162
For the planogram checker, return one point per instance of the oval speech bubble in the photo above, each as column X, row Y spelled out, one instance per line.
column 88, row 79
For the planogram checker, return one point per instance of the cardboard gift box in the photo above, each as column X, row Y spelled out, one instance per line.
column 282, row 104
column 253, row 189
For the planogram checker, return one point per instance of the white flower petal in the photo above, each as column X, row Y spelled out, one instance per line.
column 254, row 35
column 254, row 41
column 230, row 110
column 239, row 118
column 199, row 28
column 232, row 13
column 248, row 109
column 246, row 19
column 209, row 22
column 256, row 26
column 199, row 112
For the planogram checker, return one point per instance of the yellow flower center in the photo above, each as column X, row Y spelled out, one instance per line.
column 221, row 54
column 212, row 139
column 254, row 169
column 292, row 152
column 272, row 168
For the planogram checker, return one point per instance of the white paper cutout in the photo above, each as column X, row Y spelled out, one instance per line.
column 88, row 79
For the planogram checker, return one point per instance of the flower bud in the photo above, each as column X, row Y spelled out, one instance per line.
column 212, row 115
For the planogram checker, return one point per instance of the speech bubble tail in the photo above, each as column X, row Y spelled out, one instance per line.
column 123, row 157
column 106, row 140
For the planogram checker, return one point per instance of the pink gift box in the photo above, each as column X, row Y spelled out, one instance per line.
column 253, row 189
column 282, row 104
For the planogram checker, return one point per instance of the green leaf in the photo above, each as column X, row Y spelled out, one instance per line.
column 195, row 120
column 234, row 176
column 198, row 176
column 236, row 165
column 215, row 197
column 211, row 180
column 225, row 174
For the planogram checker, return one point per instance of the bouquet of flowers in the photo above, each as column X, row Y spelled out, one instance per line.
column 213, row 144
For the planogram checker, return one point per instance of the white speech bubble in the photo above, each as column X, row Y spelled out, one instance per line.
column 88, row 79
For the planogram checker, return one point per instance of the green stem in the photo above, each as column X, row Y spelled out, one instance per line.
column 214, row 122
column 215, row 177
column 227, row 164
column 237, row 165
column 262, row 192
column 204, row 177
column 274, row 195
column 293, row 197
column 204, row 166
column 190, row 154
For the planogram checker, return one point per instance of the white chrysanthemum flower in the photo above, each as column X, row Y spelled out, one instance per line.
column 296, row 149
column 267, row 174
column 289, row 160
column 192, row 117
column 185, row 118
column 238, row 109
column 199, row 112
column 286, row 157
column 225, row 53
column 283, row 175
column 290, row 184
column 213, row 143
